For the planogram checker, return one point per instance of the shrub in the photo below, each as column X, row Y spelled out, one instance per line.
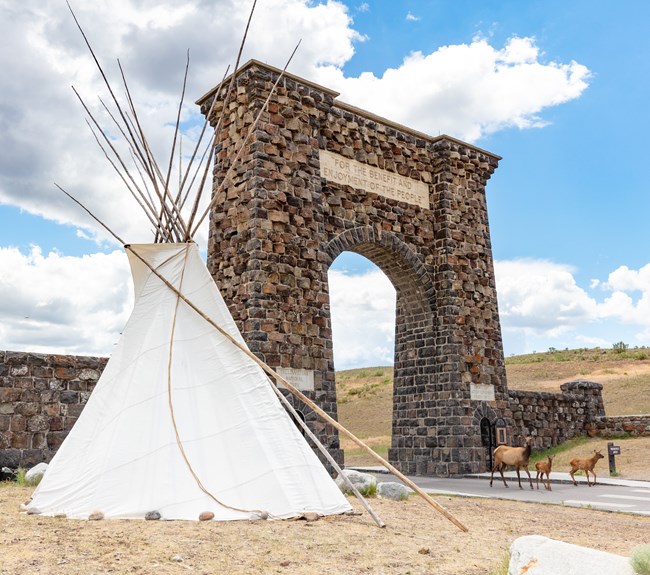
column 640, row 560
column 21, row 478
column 620, row 347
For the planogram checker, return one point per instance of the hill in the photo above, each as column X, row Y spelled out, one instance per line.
column 365, row 395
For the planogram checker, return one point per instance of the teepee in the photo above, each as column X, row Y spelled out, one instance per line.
column 185, row 421
column 181, row 422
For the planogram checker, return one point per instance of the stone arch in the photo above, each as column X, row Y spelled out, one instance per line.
column 394, row 257
column 319, row 177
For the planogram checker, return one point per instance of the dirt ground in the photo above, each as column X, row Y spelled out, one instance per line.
column 417, row 540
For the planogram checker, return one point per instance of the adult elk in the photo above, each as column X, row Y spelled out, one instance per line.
column 587, row 464
column 516, row 457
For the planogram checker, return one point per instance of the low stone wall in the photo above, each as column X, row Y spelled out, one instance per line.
column 556, row 417
column 578, row 410
column 41, row 397
column 634, row 425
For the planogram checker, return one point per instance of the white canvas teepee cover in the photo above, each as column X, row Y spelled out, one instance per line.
column 122, row 457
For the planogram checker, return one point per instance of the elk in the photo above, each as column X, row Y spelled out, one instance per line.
column 587, row 464
column 516, row 457
column 544, row 467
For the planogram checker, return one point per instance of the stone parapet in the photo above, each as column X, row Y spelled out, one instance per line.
column 41, row 397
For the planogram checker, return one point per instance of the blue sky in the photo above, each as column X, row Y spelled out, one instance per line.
column 558, row 89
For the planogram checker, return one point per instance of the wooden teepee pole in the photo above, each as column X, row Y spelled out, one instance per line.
column 324, row 415
column 326, row 454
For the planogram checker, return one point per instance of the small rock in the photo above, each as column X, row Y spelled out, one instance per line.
column 285, row 563
column 96, row 516
column 152, row 516
column 206, row 516
column 177, row 558
column 310, row 516
column 364, row 482
column 36, row 473
column 60, row 516
column 392, row 490
column 263, row 515
column 424, row 551
column 33, row 511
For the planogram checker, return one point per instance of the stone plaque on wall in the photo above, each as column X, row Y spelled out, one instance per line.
column 342, row 170
column 302, row 379
column 481, row 392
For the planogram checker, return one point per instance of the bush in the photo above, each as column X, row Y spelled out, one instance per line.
column 620, row 347
column 21, row 478
column 640, row 560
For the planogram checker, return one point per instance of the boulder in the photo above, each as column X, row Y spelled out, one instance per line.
column 36, row 472
column 537, row 555
column 364, row 482
column 392, row 490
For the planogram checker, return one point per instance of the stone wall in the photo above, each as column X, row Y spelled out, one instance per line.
column 634, row 425
column 41, row 397
column 555, row 417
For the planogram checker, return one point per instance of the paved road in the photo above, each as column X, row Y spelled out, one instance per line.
column 610, row 494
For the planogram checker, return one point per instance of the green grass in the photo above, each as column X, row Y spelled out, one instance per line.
column 582, row 354
column 640, row 560
column 566, row 446
column 21, row 479
column 502, row 569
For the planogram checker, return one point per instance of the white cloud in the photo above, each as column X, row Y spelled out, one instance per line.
column 466, row 91
column 363, row 319
column 541, row 296
column 410, row 17
column 57, row 304
column 541, row 305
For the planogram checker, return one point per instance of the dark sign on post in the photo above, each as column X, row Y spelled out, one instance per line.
column 613, row 450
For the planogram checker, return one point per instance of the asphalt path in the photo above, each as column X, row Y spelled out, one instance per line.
column 609, row 494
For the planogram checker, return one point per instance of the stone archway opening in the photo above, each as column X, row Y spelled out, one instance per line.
column 362, row 307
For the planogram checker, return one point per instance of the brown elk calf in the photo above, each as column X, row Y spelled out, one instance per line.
column 544, row 467
column 587, row 464
column 516, row 457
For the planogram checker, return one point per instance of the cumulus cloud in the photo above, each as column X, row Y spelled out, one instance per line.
column 541, row 296
column 541, row 305
column 629, row 297
column 466, row 90
column 363, row 318
column 56, row 304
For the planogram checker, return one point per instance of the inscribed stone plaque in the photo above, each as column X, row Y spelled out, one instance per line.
column 481, row 392
column 342, row 170
column 302, row 379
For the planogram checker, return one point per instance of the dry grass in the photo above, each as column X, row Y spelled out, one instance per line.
column 416, row 541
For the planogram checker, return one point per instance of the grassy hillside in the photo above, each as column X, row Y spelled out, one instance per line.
column 365, row 395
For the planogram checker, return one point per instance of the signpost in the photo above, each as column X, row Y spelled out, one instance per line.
column 613, row 450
